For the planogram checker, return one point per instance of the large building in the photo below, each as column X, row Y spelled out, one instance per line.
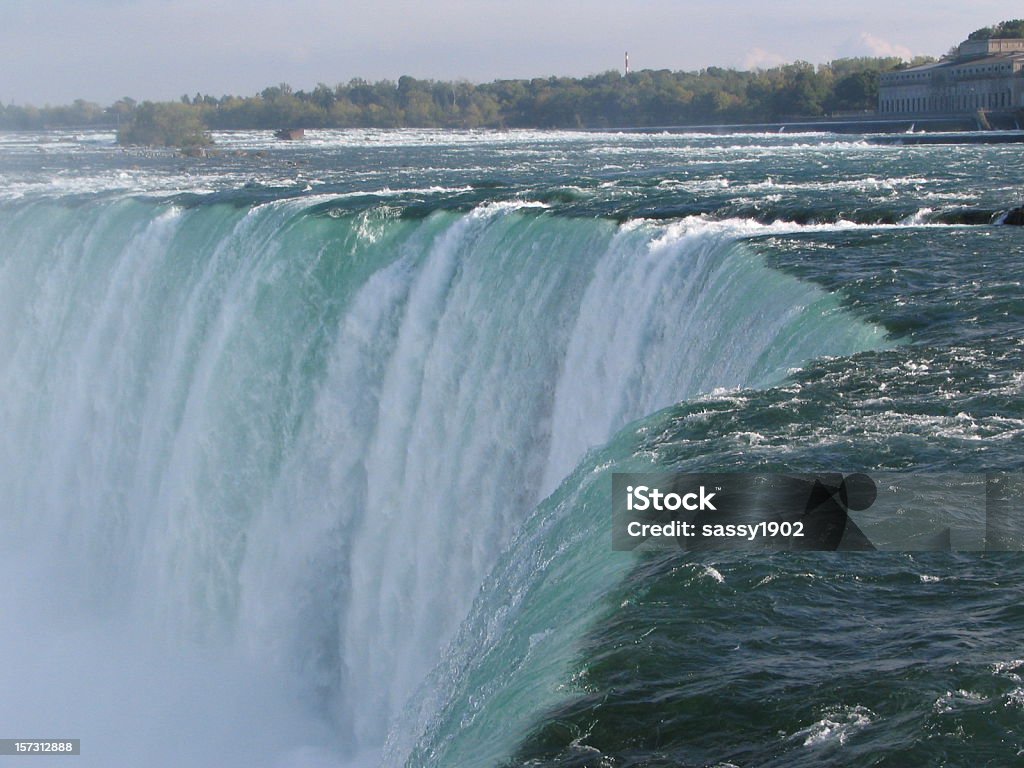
column 984, row 75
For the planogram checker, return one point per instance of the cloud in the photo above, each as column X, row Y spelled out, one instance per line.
column 879, row 47
column 759, row 58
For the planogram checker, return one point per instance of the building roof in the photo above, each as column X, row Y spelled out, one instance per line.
column 968, row 54
column 994, row 58
column 998, row 58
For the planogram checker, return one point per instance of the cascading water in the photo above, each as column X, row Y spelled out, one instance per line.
column 264, row 458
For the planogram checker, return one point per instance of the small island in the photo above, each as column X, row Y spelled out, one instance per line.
column 165, row 125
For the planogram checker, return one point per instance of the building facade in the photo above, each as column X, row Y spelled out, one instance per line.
column 984, row 75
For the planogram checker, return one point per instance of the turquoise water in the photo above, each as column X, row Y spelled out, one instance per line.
column 306, row 448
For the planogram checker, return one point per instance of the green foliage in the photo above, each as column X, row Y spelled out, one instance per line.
column 171, row 124
column 1013, row 28
column 80, row 114
column 608, row 100
column 858, row 90
column 649, row 98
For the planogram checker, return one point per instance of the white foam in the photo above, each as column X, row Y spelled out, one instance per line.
column 838, row 725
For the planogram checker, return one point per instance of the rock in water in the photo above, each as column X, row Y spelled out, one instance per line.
column 1015, row 217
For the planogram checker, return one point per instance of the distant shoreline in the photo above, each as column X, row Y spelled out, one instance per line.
column 868, row 123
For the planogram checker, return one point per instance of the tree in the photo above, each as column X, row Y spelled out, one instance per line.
column 857, row 90
column 1012, row 28
column 165, row 125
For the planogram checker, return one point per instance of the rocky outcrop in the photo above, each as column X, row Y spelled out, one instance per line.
column 1015, row 216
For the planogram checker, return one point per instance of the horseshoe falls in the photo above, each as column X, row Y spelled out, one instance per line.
column 305, row 449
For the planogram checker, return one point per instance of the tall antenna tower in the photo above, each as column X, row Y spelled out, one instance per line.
column 627, row 62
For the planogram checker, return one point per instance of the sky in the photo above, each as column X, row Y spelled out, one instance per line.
column 54, row 51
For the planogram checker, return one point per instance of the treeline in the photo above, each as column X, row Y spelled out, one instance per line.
column 1011, row 28
column 647, row 98
column 80, row 114
column 608, row 100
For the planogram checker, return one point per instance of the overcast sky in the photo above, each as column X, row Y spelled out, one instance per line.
column 53, row 51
